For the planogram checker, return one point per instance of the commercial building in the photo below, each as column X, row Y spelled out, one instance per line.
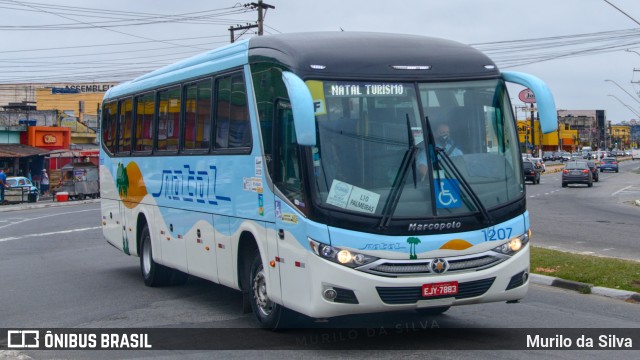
column 577, row 129
column 46, row 126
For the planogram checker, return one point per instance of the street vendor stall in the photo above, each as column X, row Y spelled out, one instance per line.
column 80, row 180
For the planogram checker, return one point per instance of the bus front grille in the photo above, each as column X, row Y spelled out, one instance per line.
column 421, row 267
column 411, row 294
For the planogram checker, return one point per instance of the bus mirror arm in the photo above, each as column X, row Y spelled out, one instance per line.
column 544, row 98
column 302, row 107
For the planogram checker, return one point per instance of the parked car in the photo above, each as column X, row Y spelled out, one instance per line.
column 548, row 156
column 565, row 156
column 635, row 154
column 530, row 172
column 609, row 164
column 577, row 172
column 28, row 191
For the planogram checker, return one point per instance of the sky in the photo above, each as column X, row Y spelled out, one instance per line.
column 573, row 45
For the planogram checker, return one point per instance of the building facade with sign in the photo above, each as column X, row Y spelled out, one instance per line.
column 25, row 93
column 563, row 139
column 49, row 125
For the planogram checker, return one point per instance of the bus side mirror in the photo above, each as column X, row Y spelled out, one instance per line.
column 544, row 98
column 304, row 118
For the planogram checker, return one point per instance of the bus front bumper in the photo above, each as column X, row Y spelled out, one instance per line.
column 358, row 292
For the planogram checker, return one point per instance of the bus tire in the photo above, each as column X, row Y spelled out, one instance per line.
column 270, row 315
column 433, row 310
column 153, row 273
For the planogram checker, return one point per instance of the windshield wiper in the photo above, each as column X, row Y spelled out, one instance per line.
column 456, row 172
column 398, row 183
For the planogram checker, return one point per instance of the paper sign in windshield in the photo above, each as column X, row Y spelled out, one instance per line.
column 351, row 197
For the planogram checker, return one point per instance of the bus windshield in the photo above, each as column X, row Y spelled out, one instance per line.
column 414, row 150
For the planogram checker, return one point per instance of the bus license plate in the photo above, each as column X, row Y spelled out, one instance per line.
column 440, row 289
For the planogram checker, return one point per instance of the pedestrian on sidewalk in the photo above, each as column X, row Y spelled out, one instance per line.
column 44, row 183
column 3, row 183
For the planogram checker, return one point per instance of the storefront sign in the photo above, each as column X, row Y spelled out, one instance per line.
column 49, row 139
column 527, row 96
column 81, row 88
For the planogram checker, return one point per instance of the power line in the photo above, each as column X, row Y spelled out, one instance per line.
column 627, row 15
column 259, row 24
column 113, row 14
column 112, row 30
column 112, row 44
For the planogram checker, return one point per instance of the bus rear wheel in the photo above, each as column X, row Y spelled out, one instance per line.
column 269, row 314
column 153, row 273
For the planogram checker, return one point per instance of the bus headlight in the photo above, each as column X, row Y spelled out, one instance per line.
column 514, row 245
column 340, row 256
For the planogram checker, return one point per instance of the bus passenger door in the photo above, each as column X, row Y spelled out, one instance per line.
column 290, row 231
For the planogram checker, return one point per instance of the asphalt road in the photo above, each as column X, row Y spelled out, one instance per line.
column 602, row 220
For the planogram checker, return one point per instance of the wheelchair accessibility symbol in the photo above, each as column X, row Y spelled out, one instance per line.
column 447, row 193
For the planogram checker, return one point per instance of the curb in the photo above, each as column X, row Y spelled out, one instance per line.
column 584, row 288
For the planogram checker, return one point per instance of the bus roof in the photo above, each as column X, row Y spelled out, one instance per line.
column 344, row 55
column 212, row 61
column 372, row 55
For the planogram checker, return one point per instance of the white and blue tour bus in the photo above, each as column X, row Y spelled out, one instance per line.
column 325, row 174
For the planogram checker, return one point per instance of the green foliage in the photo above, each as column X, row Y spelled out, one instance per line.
column 594, row 270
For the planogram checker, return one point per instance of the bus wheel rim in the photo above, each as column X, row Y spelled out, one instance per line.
column 146, row 256
column 265, row 306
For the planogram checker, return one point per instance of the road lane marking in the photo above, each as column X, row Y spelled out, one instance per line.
column 46, row 216
column 49, row 233
column 621, row 190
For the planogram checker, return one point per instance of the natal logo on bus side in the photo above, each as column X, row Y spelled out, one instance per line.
column 190, row 185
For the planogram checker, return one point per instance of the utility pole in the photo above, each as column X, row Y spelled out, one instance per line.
column 533, row 131
column 239, row 27
column 260, row 5
column 260, row 23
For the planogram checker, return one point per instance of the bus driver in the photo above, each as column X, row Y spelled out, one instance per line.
column 444, row 142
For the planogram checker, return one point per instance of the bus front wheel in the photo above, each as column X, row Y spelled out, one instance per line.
column 269, row 314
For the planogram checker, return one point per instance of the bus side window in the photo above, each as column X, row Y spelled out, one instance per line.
column 233, row 129
column 124, row 128
column 288, row 172
column 110, row 125
column 168, row 119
